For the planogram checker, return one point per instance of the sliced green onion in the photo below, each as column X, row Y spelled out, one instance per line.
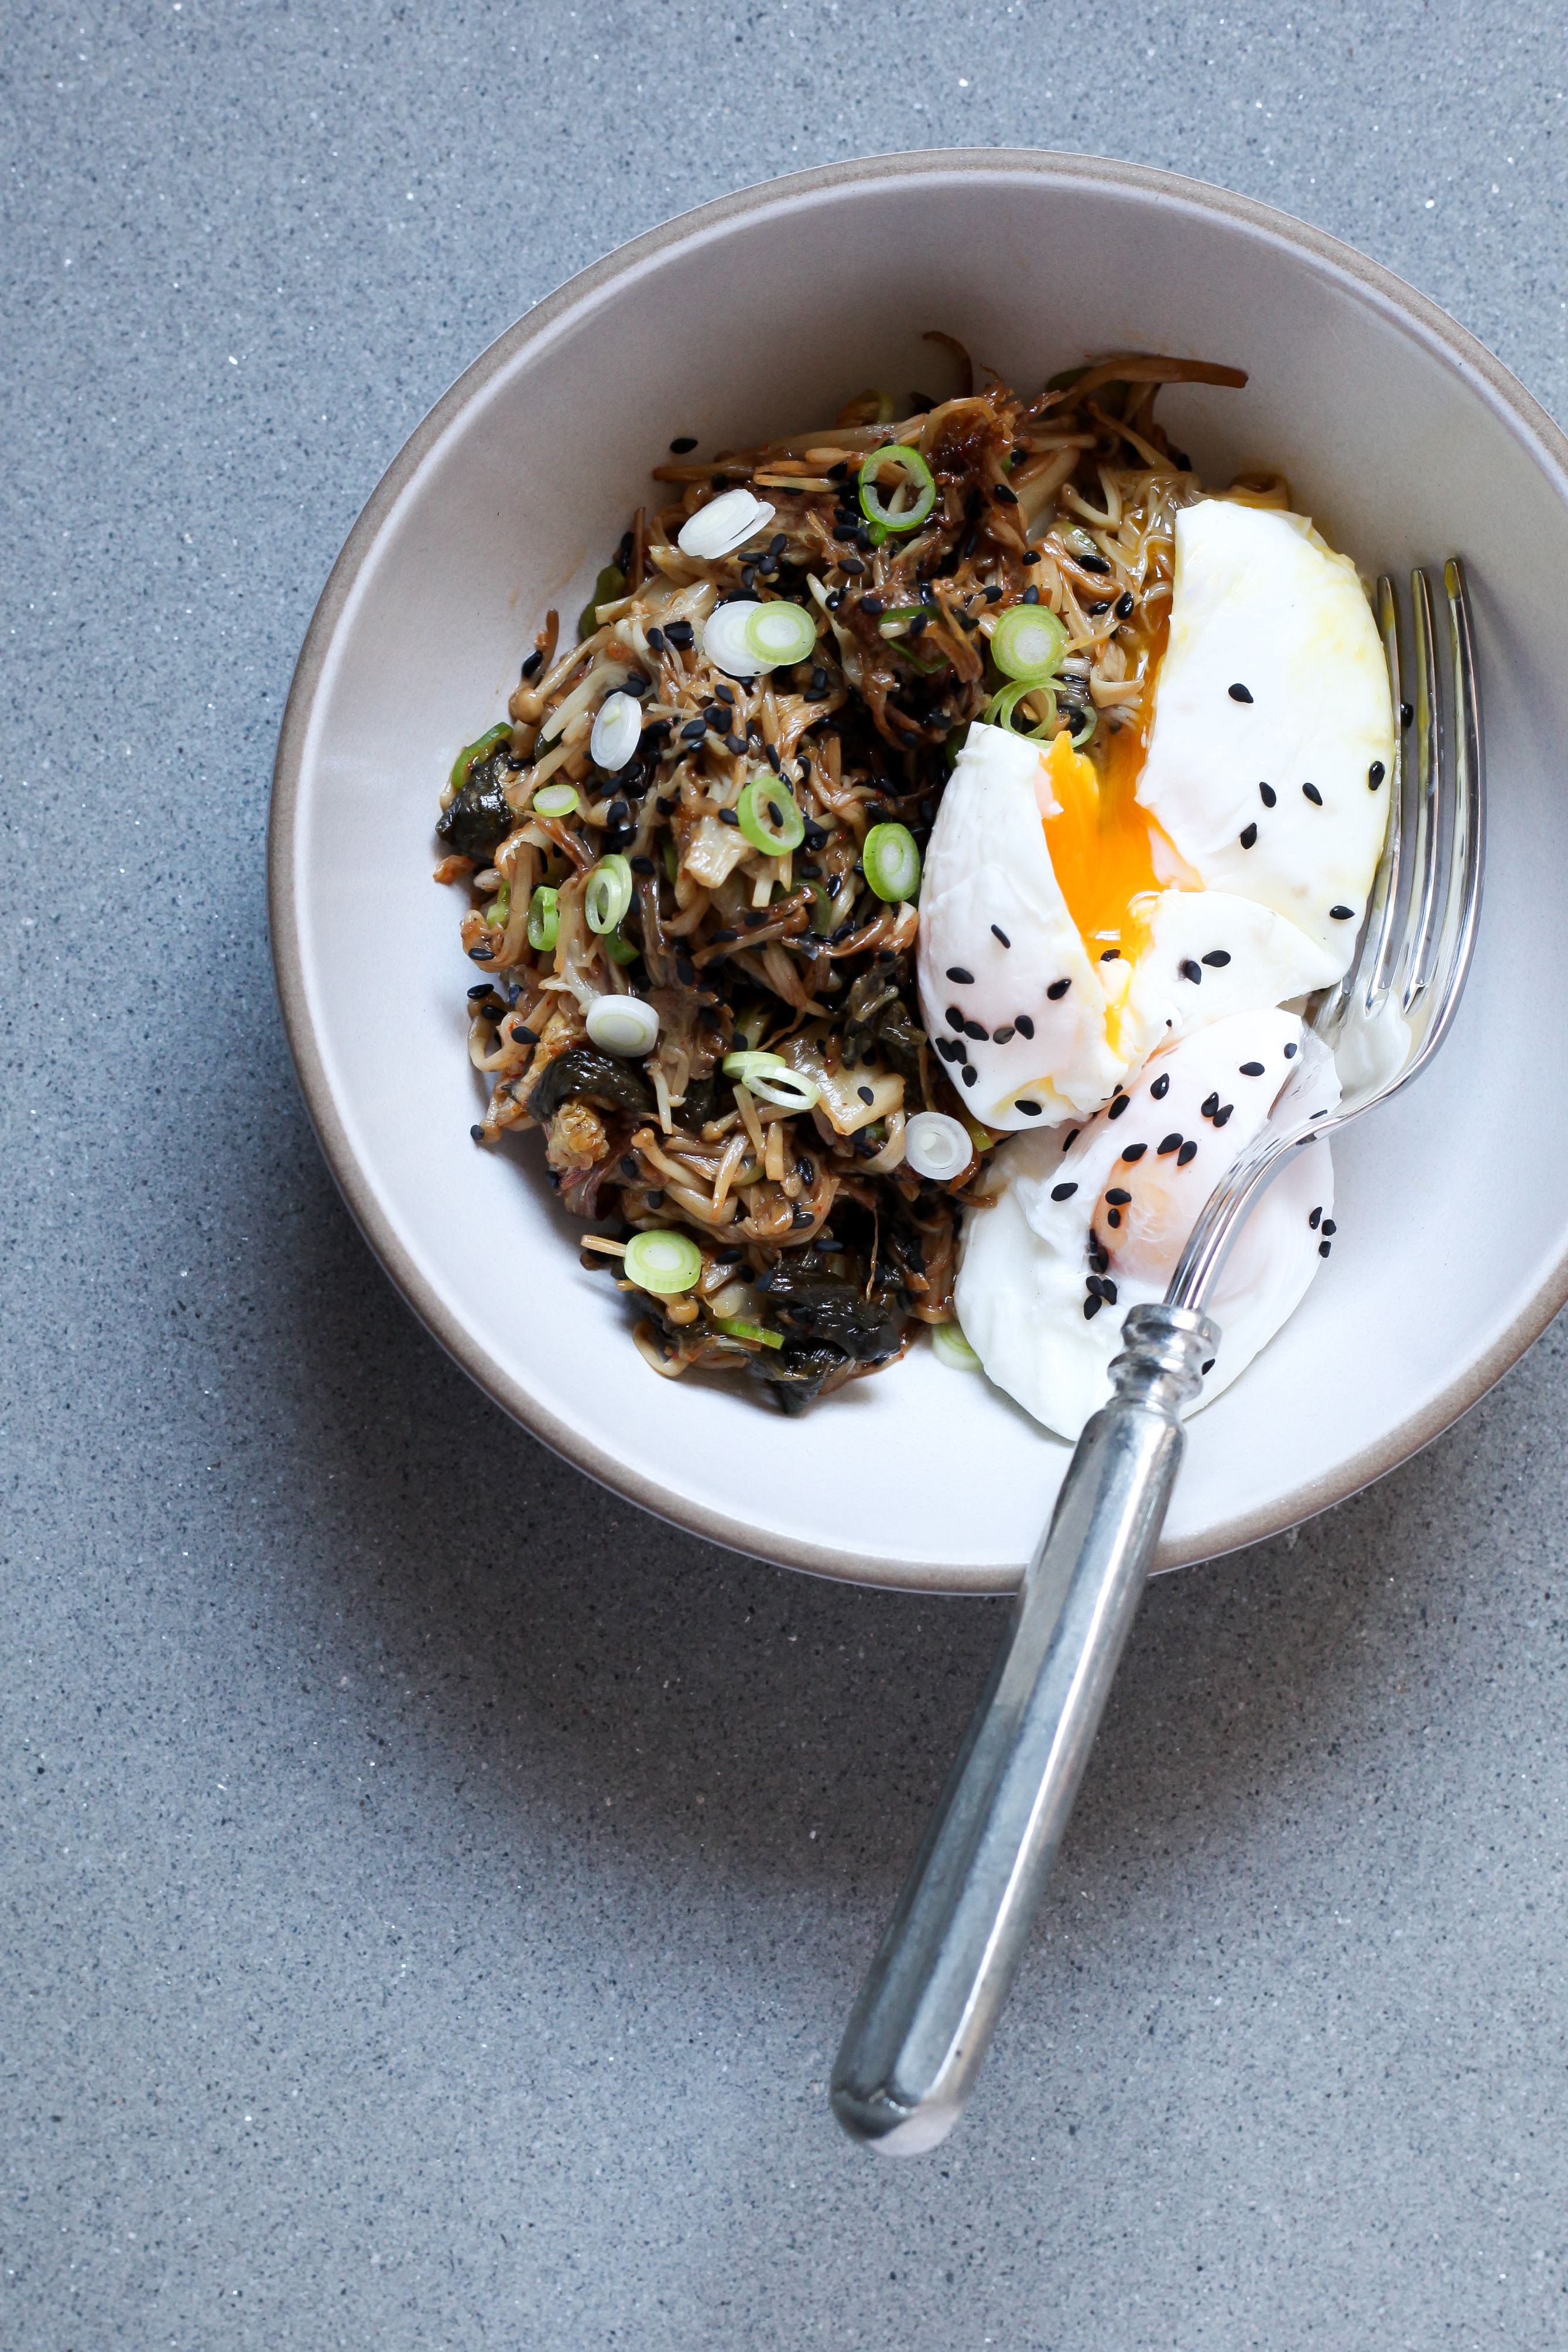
column 915, row 477
column 622, row 1024
column 936, row 1146
column 1000, row 708
column 608, row 893
column 1091, row 722
column 1029, row 641
column 671, row 856
column 769, row 817
column 616, row 728
column 544, row 919
column 739, row 1328
column 664, row 1263
column 771, row 1080
column 481, row 749
column 499, row 908
column 779, row 633
column 556, row 800
column 618, row 949
column 608, row 588
column 823, row 913
column 891, row 861
column 950, row 1345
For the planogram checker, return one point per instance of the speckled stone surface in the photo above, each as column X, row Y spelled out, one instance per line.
column 415, row 1935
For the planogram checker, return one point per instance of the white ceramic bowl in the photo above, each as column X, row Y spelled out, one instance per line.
column 765, row 311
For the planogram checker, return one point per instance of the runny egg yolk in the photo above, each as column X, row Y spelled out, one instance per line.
column 1102, row 843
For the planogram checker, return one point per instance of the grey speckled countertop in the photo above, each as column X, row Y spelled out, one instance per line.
column 417, row 1939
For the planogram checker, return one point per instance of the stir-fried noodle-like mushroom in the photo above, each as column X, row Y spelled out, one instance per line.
column 749, row 872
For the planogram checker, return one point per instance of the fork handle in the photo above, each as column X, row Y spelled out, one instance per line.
column 929, row 2006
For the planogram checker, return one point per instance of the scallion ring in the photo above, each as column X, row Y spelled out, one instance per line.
column 481, row 749
column 891, row 862
column 544, row 919
column 724, row 524
column 769, row 817
column 951, row 1346
column 620, row 951
column 1000, row 708
column 937, row 1147
column 665, row 1263
column 1027, row 641
column 745, row 639
column 622, row 1024
column 739, row 1328
column 916, row 486
column 556, row 800
column 608, row 893
column 771, row 1080
column 617, row 728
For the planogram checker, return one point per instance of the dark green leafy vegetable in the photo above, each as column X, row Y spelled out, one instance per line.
column 481, row 816
column 597, row 1078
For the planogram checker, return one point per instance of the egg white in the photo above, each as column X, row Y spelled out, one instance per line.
column 1271, row 898
column 1021, row 1286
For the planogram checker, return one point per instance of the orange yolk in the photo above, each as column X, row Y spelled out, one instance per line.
column 1102, row 843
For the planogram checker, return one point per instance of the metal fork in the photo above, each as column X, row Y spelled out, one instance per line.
column 929, row 2006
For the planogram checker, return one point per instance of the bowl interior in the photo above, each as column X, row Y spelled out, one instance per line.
column 765, row 313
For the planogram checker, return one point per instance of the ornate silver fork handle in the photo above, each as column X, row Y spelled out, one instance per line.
column 929, row 2006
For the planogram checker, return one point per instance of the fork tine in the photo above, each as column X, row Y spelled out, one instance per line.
column 1383, row 932
column 1425, row 930
column 1461, row 913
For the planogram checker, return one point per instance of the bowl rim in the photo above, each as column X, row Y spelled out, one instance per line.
column 1500, row 391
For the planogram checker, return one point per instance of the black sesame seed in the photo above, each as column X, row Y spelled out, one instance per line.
column 965, row 979
column 680, row 632
column 1223, row 1113
column 1239, row 694
column 1091, row 1284
column 727, row 817
column 1107, row 1289
column 1070, row 1138
column 1218, row 958
column 1189, row 1152
column 477, row 1134
column 1110, row 955
column 1031, row 595
column 1030, row 555
column 1171, row 1144
column 1311, row 792
column 1095, row 611
column 1208, row 1366
column 864, row 1094
column 1000, row 1036
column 969, row 1074
column 1407, row 713
column 999, row 933
column 1092, row 564
column 1375, row 775
column 1124, row 605
column 1315, row 1219
column 1252, row 1069
column 531, row 665
column 1209, row 1104
column 1113, row 1216
column 1268, row 795
column 1119, row 1103
column 954, row 1017
column 681, row 443
column 694, row 730
column 1057, row 990
column 1091, row 1306
column 1007, row 498
column 1135, row 1151
column 1191, row 971
column 1023, row 1025
column 973, row 1029
column 1290, row 1053
column 476, row 995
column 1323, row 1248
column 1342, row 914
column 1329, row 1226
column 1249, row 835
column 1161, row 1087
column 1063, row 1191
column 1030, row 1109
column 949, row 1049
